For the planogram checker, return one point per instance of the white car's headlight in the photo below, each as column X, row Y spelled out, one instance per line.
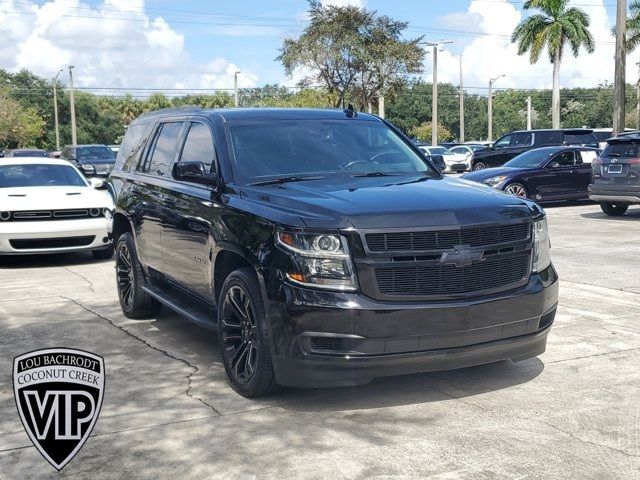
column 541, row 246
column 494, row 181
column 322, row 260
column 87, row 168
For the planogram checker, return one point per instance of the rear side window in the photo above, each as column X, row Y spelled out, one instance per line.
column 625, row 150
column 522, row 139
column 164, row 151
column 580, row 139
column 198, row 147
column 587, row 156
column 549, row 138
column 130, row 147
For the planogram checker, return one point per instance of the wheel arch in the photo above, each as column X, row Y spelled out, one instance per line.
column 226, row 261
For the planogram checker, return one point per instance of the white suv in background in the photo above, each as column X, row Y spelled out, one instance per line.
column 47, row 206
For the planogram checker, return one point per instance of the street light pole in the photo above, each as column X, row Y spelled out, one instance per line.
column 490, row 108
column 55, row 109
column 74, row 138
column 638, row 99
column 235, row 87
column 434, row 100
column 461, row 101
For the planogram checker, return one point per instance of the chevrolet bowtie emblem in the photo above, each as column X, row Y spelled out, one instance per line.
column 460, row 256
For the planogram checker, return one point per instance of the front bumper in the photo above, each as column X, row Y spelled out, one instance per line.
column 615, row 193
column 337, row 339
column 54, row 236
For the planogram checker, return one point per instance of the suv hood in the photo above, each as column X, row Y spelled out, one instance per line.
column 53, row 198
column 383, row 202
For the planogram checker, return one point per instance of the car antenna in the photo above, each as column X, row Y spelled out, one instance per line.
column 350, row 111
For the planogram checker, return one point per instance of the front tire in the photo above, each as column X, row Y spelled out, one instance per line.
column 244, row 336
column 479, row 166
column 517, row 189
column 614, row 209
column 134, row 301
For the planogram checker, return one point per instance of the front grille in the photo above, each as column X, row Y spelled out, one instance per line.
column 446, row 239
column 35, row 215
column 494, row 272
column 47, row 243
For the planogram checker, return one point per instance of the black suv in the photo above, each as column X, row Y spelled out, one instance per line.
column 616, row 174
column 92, row 160
column 515, row 143
column 324, row 248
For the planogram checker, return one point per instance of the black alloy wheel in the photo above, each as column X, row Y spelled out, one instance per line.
column 134, row 301
column 614, row 209
column 240, row 337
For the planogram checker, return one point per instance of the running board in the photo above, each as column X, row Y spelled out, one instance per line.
column 194, row 311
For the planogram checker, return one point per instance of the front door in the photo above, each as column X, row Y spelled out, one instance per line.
column 186, row 230
column 558, row 180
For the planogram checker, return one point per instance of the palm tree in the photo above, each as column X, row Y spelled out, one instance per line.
column 554, row 28
column 633, row 26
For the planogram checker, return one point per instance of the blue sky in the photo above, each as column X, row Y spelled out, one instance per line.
column 199, row 44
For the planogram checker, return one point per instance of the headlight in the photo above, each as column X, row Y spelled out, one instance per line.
column 541, row 246
column 321, row 261
column 495, row 181
column 88, row 168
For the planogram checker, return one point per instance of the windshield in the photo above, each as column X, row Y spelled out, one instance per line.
column 439, row 151
column 319, row 147
column 36, row 175
column 625, row 150
column 95, row 153
column 532, row 158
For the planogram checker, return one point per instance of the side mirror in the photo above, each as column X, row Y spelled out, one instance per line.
column 554, row 165
column 195, row 172
column 98, row 184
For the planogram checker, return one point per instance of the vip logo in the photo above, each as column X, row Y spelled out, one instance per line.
column 58, row 392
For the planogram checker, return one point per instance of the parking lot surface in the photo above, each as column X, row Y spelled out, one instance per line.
column 573, row 412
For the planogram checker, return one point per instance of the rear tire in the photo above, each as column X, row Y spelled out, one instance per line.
column 614, row 209
column 479, row 166
column 103, row 254
column 244, row 336
column 134, row 301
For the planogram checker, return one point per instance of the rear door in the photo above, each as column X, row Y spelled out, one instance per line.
column 186, row 240
column 153, row 174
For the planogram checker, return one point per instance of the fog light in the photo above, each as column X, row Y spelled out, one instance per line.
column 4, row 216
column 94, row 212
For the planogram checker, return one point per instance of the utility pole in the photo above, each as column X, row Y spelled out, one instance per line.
column 461, row 139
column 638, row 99
column 434, row 100
column 619, row 79
column 490, row 108
column 529, row 113
column 55, row 109
column 235, row 87
column 74, row 138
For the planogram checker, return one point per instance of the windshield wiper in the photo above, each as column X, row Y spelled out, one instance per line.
column 281, row 180
column 376, row 174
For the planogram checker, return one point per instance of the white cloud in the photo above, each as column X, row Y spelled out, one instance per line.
column 344, row 3
column 139, row 51
column 488, row 56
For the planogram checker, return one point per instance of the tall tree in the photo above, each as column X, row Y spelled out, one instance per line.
column 351, row 51
column 554, row 29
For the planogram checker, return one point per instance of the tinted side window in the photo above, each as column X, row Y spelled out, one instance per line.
column 164, row 151
column 523, row 139
column 580, row 139
column 549, row 138
column 198, row 147
column 503, row 142
column 130, row 147
column 565, row 159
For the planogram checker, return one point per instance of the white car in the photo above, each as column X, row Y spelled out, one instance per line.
column 47, row 206
column 454, row 162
